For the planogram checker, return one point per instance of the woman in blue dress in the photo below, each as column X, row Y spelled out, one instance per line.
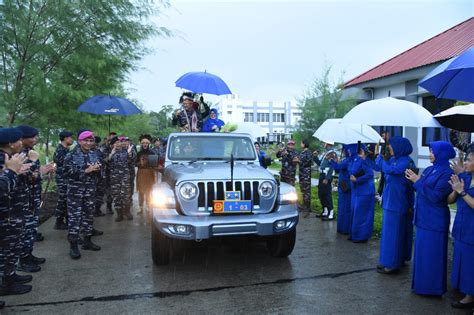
column 432, row 221
column 363, row 197
column 397, row 203
column 462, row 275
column 344, row 188
column 213, row 123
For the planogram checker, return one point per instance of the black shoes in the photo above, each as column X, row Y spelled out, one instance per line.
column 74, row 251
column 22, row 278
column 88, row 245
column 458, row 304
column 27, row 265
column 10, row 287
column 128, row 215
column 97, row 232
column 37, row 260
column 109, row 209
column 60, row 224
column 387, row 271
column 2, row 304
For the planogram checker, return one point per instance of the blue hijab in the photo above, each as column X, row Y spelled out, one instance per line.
column 212, row 122
column 401, row 146
column 443, row 152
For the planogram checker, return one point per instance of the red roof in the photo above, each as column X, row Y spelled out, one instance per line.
column 450, row 43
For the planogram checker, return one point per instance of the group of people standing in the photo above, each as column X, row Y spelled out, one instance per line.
column 408, row 200
column 85, row 175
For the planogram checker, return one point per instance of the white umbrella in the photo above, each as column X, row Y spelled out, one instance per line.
column 253, row 129
column 459, row 118
column 334, row 130
column 390, row 111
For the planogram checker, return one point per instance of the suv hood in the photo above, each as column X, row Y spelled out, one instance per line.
column 215, row 171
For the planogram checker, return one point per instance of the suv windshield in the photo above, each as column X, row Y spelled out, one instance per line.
column 210, row 148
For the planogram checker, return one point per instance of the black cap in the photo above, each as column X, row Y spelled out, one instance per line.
column 9, row 135
column 64, row 134
column 97, row 139
column 28, row 131
column 113, row 140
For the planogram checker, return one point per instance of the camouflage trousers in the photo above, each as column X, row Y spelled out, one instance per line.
column 28, row 235
column 80, row 205
column 120, row 191
column 288, row 178
column 100, row 192
column 61, row 206
column 305, row 186
column 10, row 245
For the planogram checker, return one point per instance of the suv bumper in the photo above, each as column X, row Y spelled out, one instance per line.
column 179, row 226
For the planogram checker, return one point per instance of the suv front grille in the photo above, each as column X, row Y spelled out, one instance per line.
column 210, row 191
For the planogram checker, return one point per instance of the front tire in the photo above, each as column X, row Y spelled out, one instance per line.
column 282, row 245
column 160, row 247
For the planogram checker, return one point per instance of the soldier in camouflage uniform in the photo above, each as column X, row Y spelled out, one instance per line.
column 101, row 183
column 81, row 167
column 11, row 221
column 118, row 161
column 131, row 167
column 61, row 185
column 29, row 201
column 306, row 159
column 107, row 148
column 289, row 161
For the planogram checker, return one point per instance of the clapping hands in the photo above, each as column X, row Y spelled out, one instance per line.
column 456, row 184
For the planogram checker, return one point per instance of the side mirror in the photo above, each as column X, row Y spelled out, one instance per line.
column 267, row 160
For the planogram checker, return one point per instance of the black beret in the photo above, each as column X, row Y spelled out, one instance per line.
column 64, row 134
column 28, row 131
column 113, row 140
column 97, row 139
column 9, row 135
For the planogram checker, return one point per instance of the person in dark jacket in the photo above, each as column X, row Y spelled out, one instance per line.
column 325, row 180
column 146, row 175
column 397, row 203
column 363, row 197
column 431, row 219
column 61, row 207
column 344, row 188
column 305, row 161
column 187, row 119
column 289, row 162
column 462, row 275
column 213, row 123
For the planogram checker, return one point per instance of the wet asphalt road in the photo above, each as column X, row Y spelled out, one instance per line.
column 326, row 274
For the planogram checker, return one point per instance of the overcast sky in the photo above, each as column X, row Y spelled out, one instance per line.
column 273, row 50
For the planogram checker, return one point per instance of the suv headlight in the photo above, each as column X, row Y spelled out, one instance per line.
column 188, row 191
column 266, row 189
column 288, row 198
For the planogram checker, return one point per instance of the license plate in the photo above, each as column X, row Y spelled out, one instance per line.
column 232, row 206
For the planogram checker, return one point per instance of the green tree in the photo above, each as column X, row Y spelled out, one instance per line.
column 56, row 54
column 322, row 100
column 161, row 121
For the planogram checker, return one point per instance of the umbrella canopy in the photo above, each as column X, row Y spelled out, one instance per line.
column 109, row 105
column 203, row 82
column 253, row 129
column 333, row 130
column 453, row 79
column 459, row 118
column 390, row 111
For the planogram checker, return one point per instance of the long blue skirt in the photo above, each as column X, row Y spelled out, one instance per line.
column 430, row 262
column 393, row 240
column 343, row 212
column 462, row 276
column 362, row 218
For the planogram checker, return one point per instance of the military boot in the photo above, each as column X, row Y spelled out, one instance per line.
column 60, row 225
column 37, row 260
column 109, row 208
column 10, row 287
column 98, row 212
column 97, row 232
column 2, row 304
column 74, row 251
column 88, row 245
column 22, row 278
column 119, row 215
column 27, row 265
column 128, row 214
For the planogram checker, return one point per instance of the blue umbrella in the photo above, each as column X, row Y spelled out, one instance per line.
column 203, row 82
column 109, row 105
column 453, row 79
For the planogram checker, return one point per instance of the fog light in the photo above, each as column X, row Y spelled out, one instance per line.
column 181, row 229
column 280, row 224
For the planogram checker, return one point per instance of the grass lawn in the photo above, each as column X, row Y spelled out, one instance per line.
column 316, row 207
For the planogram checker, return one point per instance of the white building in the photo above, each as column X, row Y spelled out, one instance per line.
column 276, row 117
column 399, row 76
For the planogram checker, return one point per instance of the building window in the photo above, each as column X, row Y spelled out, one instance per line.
column 278, row 117
column 229, row 112
column 248, row 117
column 435, row 106
column 263, row 117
